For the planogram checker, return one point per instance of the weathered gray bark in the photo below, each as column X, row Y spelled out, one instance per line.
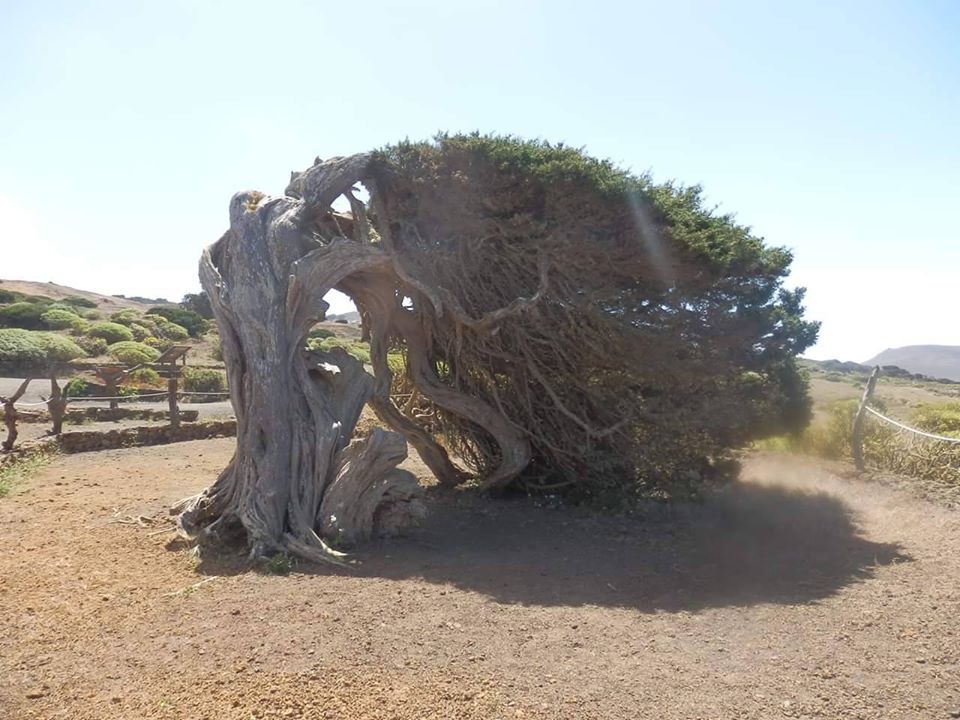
column 293, row 470
column 296, row 482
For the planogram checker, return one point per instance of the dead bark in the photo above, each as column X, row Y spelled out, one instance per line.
column 10, row 415
column 296, row 482
column 296, row 411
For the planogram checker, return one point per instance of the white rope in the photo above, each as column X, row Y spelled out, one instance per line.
column 116, row 397
column 913, row 430
column 132, row 398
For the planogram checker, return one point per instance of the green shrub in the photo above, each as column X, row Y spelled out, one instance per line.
column 204, row 380
column 360, row 350
column 140, row 333
column 160, row 344
column 58, row 319
column 27, row 347
column 37, row 299
column 20, row 347
column 78, row 302
column 24, row 315
column 125, row 317
column 111, row 332
column 938, row 418
column 10, row 296
column 91, row 314
column 320, row 334
column 132, row 353
column 59, row 347
column 77, row 387
column 194, row 324
column 79, row 326
column 168, row 329
column 150, row 323
column 145, row 376
column 93, row 346
column 172, row 331
column 63, row 306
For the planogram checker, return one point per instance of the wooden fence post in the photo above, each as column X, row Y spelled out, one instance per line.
column 172, row 397
column 857, row 438
column 10, row 415
column 56, row 406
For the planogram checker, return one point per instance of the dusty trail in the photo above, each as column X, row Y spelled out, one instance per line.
column 794, row 593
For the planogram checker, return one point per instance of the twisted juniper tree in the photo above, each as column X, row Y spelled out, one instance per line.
column 562, row 323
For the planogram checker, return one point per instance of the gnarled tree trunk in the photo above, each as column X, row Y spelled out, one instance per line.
column 296, row 483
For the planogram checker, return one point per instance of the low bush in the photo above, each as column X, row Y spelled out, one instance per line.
column 320, row 334
column 938, row 418
column 830, row 439
column 20, row 347
column 125, row 317
column 360, row 350
column 111, row 332
column 37, row 299
column 57, row 319
column 150, row 323
column 191, row 321
column 140, row 333
column 59, row 347
column 78, row 302
column 93, row 346
column 23, row 315
column 63, row 306
column 79, row 326
column 160, row 344
column 145, row 376
column 27, row 347
column 77, row 387
column 10, row 296
column 204, row 380
column 132, row 353
column 168, row 329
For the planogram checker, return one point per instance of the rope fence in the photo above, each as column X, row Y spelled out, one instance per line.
column 128, row 398
column 942, row 438
column 898, row 447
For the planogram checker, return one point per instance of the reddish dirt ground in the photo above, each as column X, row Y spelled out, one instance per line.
column 792, row 593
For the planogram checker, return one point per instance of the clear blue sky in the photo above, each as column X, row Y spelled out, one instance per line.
column 831, row 128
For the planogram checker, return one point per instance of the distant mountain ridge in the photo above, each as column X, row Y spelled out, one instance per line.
column 938, row 361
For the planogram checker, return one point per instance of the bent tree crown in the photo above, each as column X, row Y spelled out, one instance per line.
column 562, row 324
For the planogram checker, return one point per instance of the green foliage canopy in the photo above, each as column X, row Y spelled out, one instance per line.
column 664, row 335
column 132, row 353
column 110, row 331
column 192, row 321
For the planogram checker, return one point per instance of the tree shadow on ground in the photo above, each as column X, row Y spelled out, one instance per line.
column 745, row 545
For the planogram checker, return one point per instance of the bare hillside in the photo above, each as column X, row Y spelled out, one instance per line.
column 105, row 303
